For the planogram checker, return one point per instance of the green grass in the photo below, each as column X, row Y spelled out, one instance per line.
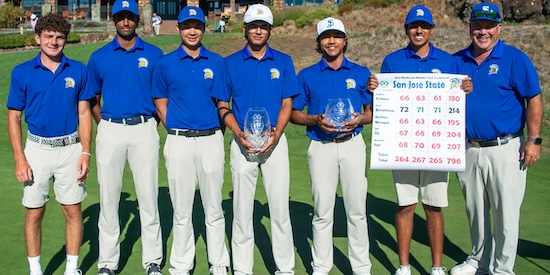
column 533, row 255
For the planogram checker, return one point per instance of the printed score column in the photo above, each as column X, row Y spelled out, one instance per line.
column 418, row 122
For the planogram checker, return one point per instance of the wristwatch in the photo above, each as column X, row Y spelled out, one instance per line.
column 536, row 141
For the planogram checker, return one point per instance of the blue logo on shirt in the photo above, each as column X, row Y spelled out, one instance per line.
column 493, row 69
column 208, row 73
column 143, row 62
column 275, row 74
column 350, row 83
column 69, row 82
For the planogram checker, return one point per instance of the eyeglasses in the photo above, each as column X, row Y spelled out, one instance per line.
column 263, row 27
column 488, row 14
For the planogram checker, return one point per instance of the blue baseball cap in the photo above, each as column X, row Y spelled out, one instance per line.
column 125, row 5
column 191, row 13
column 419, row 13
column 486, row 11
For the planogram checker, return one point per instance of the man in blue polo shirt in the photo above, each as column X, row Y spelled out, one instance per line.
column 52, row 91
column 506, row 98
column 336, row 154
column 259, row 76
column 183, row 82
column 120, row 73
column 420, row 56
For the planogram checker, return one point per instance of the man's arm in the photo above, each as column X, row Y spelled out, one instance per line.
column 23, row 171
column 535, row 110
column 96, row 108
column 282, row 121
column 228, row 118
column 85, row 133
column 162, row 106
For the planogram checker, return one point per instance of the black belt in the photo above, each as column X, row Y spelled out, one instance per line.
column 343, row 137
column 135, row 120
column 494, row 142
column 193, row 133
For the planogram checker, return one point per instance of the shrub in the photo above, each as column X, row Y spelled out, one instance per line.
column 345, row 8
column 73, row 38
column 9, row 15
column 311, row 16
column 238, row 28
column 294, row 13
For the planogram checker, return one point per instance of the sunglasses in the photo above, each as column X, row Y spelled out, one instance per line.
column 487, row 14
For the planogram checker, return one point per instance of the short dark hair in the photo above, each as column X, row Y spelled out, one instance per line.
column 52, row 22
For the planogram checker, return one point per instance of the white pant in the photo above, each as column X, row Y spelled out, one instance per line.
column 275, row 170
column 139, row 145
column 189, row 160
column 493, row 180
column 330, row 163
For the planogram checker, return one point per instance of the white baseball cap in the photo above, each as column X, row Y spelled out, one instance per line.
column 330, row 23
column 258, row 12
column 33, row 16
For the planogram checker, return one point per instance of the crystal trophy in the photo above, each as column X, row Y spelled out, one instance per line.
column 257, row 127
column 339, row 111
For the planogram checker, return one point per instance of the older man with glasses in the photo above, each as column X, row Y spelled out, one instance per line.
column 497, row 154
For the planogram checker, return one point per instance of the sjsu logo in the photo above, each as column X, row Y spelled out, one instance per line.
column 69, row 82
column 454, row 83
column 275, row 74
column 493, row 69
column 330, row 23
column 143, row 62
column 419, row 12
column 350, row 83
column 125, row 4
column 208, row 73
column 192, row 12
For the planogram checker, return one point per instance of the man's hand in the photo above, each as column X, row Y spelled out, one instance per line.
column 467, row 85
column 23, row 171
column 83, row 167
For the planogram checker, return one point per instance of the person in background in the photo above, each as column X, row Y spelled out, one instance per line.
column 34, row 19
column 183, row 83
column 336, row 154
column 156, row 21
column 497, row 153
column 53, row 93
column 120, row 73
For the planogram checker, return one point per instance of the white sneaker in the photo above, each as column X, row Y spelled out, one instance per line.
column 73, row 272
column 403, row 271
column 463, row 269
column 218, row 270
column 438, row 271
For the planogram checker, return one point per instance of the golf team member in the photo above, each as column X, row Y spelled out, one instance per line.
column 507, row 96
column 183, row 82
column 52, row 91
column 336, row 155
column 121, row 72
column 420, row 56
column 259, row 76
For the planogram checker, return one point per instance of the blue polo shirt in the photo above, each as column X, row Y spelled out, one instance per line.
column 188, row 84
column 258, row 83
column 406, row 61
column 319, row 83
column 502, row 82
column 49, row 99
column 123, row 78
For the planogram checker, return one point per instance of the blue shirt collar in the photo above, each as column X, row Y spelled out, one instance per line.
column 38, row 62
column 183, row 54
column 324, row 65
column 410, row 53
column 139, row 45
column 247, row 54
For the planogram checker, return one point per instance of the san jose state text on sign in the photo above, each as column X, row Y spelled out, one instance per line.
column 418, row 122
